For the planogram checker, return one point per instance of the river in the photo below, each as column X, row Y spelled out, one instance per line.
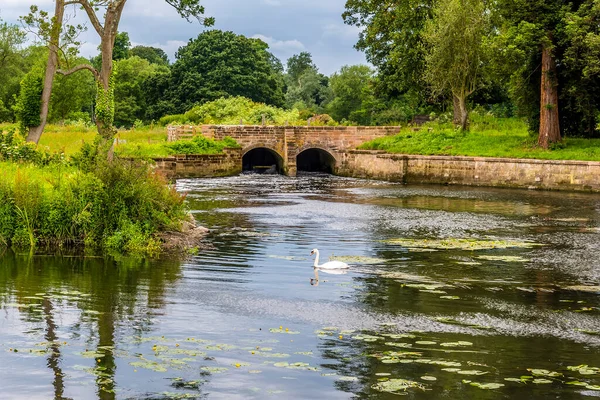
column 456, row 293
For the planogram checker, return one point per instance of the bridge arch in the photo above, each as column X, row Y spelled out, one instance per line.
column 262, row 158
column 315, row 158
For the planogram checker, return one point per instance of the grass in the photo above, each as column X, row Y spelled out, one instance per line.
column 487, row 137
column 147, row 142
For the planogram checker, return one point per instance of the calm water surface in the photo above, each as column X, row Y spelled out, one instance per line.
column 451, row 319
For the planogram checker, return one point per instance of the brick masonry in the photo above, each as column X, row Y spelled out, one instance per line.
column 289, row 141
column 340, row 142
column 201, row 166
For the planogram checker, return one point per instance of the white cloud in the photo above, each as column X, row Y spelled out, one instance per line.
column 274, row 3
column 281, row 45
column 341, row 31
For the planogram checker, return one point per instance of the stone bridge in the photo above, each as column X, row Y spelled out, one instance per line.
column 296, row 148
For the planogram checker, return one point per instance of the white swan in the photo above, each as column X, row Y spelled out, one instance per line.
column 331, row 265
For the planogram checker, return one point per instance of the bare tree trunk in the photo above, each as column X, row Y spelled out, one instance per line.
column 549, row 123
column 463, row 112
column 35, row 132
column 456, row 109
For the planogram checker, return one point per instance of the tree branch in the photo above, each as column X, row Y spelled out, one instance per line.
column 79, row 68
column 90, row 12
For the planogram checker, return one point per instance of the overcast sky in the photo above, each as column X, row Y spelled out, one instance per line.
column 288, row 26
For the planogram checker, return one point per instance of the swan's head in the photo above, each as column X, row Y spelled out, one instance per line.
column 313, row 252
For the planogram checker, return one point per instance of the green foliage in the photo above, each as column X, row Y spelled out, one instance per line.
column 489, row 136
column 153, row 55
column 232, row 110
column 12, row 67
column 30, row 97
column 353, row 94
column 219, row 64
column 392, row 38
column 202, row 145
column 130, row 100
column 14, row 148
column 455, row 55
column 306, row 87
column 72, row 97
column 116, row 207
column 105, row 103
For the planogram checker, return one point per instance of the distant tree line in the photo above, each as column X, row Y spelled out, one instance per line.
column 537, row 59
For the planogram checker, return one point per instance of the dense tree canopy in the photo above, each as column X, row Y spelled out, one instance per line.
column 218, row 64
column 352, row 89
column 539, row 59
column 392, row 38
column 153, row 55
column 12, row 66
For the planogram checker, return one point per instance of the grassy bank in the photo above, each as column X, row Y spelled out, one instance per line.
column 83, row 202
column 487, row 137
column 145, row 143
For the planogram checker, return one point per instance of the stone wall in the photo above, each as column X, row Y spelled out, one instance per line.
column 201, row 166
column 289, row 141
column 476, row 171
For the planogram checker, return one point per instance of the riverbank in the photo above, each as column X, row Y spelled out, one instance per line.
column 487, row 137
column 473, row 171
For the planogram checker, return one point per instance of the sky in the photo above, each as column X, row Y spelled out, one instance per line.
column 288, row 26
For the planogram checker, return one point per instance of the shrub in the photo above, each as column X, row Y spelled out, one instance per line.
column 232, row 110
column 118, row 206
column 202, row 145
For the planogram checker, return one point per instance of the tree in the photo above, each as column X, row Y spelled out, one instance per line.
column 392, row 38
column 130, row 102
column 531, row 33
column 11, row 67
column 154, row 55
column 352, row 89
column 454, row 46
column 579, row 75
column 298, row 64
column 306, row 87
column 107, row 31
column 222, row 64
column 72, row 97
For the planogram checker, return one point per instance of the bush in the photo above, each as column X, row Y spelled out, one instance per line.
column 118, row 206
column 14, row 148
column 202, row 145
column 232, row 110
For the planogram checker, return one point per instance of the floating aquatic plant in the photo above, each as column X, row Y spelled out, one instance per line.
column 397, row 385
column 359, row 260
column 504, row 258
column 460, row 244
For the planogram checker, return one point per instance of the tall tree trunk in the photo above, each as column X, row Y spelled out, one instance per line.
column 456, row 109
column 549, row 123
column 463, row 113
column 35, row 132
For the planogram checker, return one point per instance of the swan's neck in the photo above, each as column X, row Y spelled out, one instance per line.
column 317, row 259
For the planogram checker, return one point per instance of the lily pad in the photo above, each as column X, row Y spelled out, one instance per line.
column 283, row 330
column 544, row 372
column 397, row 386
column 504, row 258
column 460, row 244
column 214, row 370
column 486, row 386
column 358, row 260
column 584, row 288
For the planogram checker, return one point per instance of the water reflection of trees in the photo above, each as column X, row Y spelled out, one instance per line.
column 124, row 292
